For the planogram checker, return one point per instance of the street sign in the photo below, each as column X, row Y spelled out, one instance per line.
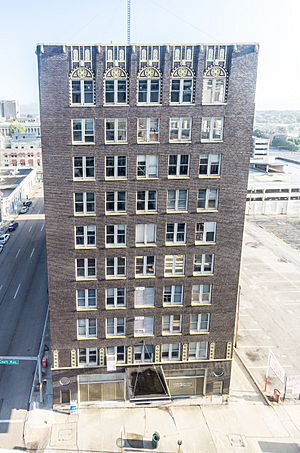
column 274, row 364
column 9, row 362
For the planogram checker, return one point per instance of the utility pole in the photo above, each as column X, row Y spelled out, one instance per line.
column 128, row 21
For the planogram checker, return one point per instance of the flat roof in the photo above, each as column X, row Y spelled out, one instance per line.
column 152, row 44
column 9, row 179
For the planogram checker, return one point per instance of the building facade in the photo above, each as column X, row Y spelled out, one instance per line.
column 9, row 110
column 21, row 150
column 145, row 152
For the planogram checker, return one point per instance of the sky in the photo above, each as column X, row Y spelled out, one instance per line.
column 274, row 24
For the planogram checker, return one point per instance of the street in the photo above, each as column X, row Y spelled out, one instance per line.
column 23, row 306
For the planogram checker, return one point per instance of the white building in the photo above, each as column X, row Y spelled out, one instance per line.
column 260, row 147
column 10, row 110
column 29, row 125
column 21, row 150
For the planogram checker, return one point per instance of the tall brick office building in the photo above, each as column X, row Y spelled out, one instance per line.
column 146, row 151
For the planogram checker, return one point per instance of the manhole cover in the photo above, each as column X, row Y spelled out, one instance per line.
column 236, row 440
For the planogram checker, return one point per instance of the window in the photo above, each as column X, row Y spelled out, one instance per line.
column 208, row 199
column 203, row 264
column 115, row 201
column 147, row 130
column 143, row 325
column 199, row 323
column 116, row 130
column 84, row 167
column 82, row 92
column 212, row 129
column 144, row 297
column 115, row 327
column 214, row 86
column 144, row 266
column 85, row 236
column 115, row 267
column 85, row 202
column 83, row 131
column 118, row 352
column 116, row 235
column 149, row 91
column 147, row 166
column 181, row 91
column 205, row 232
column 174, row 265
column 173, row 295
column 146, row 201
column 86, row 298
column 209, row 165
column 86, row 328
column 143, row 353
column 170, row 352
column 145, row 234
column 201, row 294
column 85, row 268
column 198, row 350
column 178, row 165
column 171, row 324
column 180, row 129
column 116, row 167
column 177, row 200
column 176, row 233
column 88, row 356
column 115, row 86
column 115, row 297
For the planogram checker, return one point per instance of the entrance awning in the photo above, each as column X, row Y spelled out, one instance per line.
column 147, row 383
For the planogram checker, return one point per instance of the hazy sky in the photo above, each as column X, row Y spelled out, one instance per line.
column 274, row 24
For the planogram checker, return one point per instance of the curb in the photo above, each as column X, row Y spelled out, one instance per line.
column 267, row 402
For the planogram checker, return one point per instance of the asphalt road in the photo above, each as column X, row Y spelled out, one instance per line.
column 23, row 307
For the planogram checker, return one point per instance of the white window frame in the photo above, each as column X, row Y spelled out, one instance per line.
column 178, row 166
column 115, row 201
column 88, row 353
column 209, row 93
column 203, row 262
column 116, row 167
column 208, row 199
column 84, row 168
column 145, row 227
column 175, row 233
column 149, row 91
column 171, row 325
column 198, row 346
column 87, row 298
column 116, row 130
column 174, row 262
column 169, row 349
column 210, row 124
column 112, row 351
column 143, row 350
column 84, row 203
column 115, row 327
column 144, row 293
column 172, row 295
column 180, row 129
column 177, row 200
column 115, row 268
column 198, row 290
column 208, row 228
column 146, row 201
column 115, row 296
column 199, row 322
column 85, row 236
column 145, row 259
column 147, row 127
column 181, row 91
column 116, row 91
column 86, row 268
column 210, row 163
column 82, row 92
column 116, row 234
column 87, row 328
column 85, row 132
column 150, row 171
column 141, row 332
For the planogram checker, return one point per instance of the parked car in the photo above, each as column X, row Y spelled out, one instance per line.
column 1, row 247
column 13, row 226
column 4, row 238
column 27, row 203
column 24, row 210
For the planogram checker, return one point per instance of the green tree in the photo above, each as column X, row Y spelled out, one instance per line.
column 15, row 127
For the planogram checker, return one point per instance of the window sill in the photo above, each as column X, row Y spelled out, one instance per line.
column 173, row 244
column 82, row 143
column 172, row 305
column 205, row 243
column 144, row 306
column 115, row 336
column 147, row 143
column 115, row 179
column 115, row 213
column 170, row 334
column 148, row 104
column 86, row 365
column 86, row 247
column 115, row 278
column 144, row 276
column 87, row 338
column 115, row 308
column 211, row 141
column 146, row 212
column 180, row 141
column 145, row 245
column 86, row 279
column 193, row 304
column 84, row 215
column 174, row 276
column 83, row 105
column 112, row 104
column 199, row 333
column 207, row 210
column 199, row 274
column 174, row 211
column 116, row 143
column 209, row 176
column 86, row 309
column 182, row 103
column 142, row 335
column 84, row 179
column 178, row 177
column 147, row 178
column 115, row 246
column 214, row 103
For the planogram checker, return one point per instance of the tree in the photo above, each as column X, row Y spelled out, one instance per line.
column 15, row 127
column 259, row 133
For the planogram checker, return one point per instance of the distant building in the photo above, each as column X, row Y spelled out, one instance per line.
column 260, row 147
column 9, row 110
column 29, row 126
column 21, row 150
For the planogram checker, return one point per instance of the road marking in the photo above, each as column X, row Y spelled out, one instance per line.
column 42, row 227
column 32, row 252
column 249, row 330
column 254, row 346
column 30, row 228
column 18, row 253
column 16, row 293
column 12, row 421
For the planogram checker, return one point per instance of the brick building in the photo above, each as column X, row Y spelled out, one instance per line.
column 146, row 151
